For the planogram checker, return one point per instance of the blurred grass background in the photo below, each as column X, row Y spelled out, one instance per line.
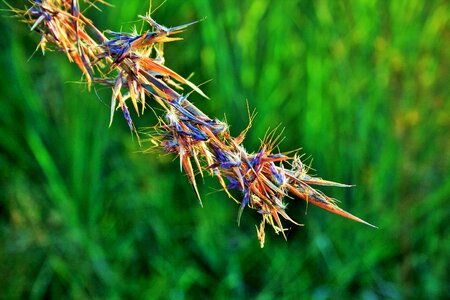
column 362, row 86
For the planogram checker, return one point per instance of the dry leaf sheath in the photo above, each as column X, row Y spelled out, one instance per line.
column 133, row 65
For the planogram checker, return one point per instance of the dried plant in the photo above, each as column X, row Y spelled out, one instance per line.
column 132, row 64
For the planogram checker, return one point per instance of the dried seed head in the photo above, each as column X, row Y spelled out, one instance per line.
column 133, row 65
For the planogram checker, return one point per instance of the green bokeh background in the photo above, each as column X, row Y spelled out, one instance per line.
column 362, row 86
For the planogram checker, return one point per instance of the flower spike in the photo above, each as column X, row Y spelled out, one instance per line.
column 133, row 65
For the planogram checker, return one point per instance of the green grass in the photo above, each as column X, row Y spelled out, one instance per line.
column 361, row 86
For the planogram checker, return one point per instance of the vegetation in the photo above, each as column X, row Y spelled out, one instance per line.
column 362, row 87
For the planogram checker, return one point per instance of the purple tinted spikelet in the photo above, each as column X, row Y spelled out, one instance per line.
column 132, row 65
